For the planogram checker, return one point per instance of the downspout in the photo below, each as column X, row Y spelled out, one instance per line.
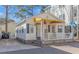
column 77, row 21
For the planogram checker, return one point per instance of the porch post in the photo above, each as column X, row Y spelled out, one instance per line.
column 63, row 32
column 56, row 32
column 42, row 30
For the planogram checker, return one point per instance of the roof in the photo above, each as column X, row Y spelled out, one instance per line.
column 23, row 21
column 46, row 16
column 2, row 20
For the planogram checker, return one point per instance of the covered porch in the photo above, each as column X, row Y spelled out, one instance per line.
column 50, row 31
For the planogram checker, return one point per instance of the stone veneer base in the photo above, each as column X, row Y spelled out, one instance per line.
column 56, row 41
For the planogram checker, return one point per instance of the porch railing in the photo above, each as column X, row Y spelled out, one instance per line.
column 55, row 36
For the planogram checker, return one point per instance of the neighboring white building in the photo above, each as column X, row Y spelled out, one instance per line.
column 60, row 11
column 69, row 13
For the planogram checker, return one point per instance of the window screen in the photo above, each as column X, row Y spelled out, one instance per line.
column 27, row 28
column 59, row 28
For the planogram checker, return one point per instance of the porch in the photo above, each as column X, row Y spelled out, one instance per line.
column 53, row 32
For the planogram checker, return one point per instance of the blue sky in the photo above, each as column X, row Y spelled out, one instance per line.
column 1, row 10
column 36, row 11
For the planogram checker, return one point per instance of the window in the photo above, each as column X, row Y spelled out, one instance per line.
column 17, row 30
column 67, row 29
column 53, row 29
column 75, row 14
column 48, row 28
column 59, row 28
column 62, row 16
column 22, row 30
column 27, row 28
column 32, row 28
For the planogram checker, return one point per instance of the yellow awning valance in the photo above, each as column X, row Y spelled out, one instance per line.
column 38, row 20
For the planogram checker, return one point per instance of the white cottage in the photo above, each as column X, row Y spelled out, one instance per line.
column 45, row 28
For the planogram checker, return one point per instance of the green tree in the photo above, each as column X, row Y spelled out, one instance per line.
column 27, row 10
column 24, row 11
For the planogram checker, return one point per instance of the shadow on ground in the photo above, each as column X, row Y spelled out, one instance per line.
column 75, row 44
column 38, row 51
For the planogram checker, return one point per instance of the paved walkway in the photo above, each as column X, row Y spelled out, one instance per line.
column 68, row 47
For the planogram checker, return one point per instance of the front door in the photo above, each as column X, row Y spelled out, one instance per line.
column 38, row 28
